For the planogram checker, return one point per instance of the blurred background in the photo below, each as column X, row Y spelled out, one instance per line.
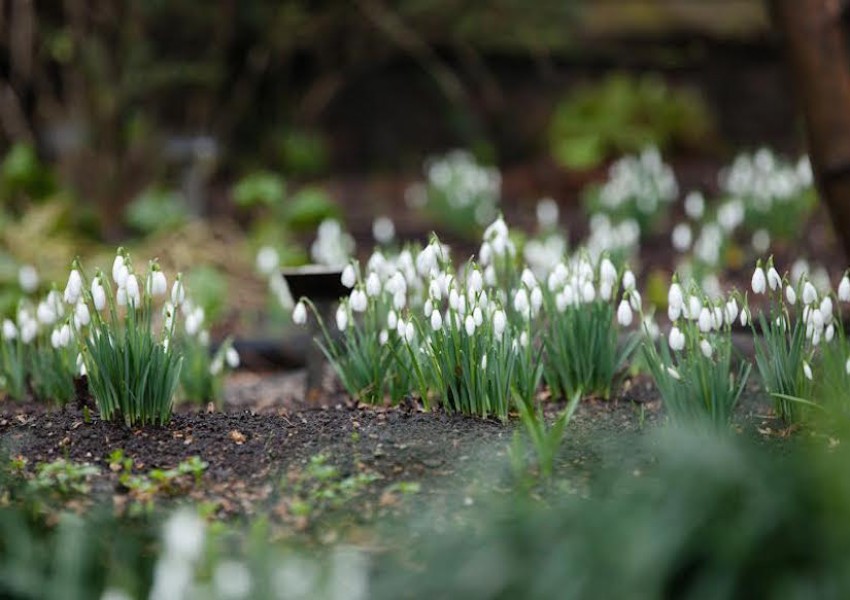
column 204, row 133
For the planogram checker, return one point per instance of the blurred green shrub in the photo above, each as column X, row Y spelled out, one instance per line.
column 308, row 208
column 259, row 189
column 209, row 289
column 623, row 114
column 23, row 174
column 156, row 209
column 304, row 154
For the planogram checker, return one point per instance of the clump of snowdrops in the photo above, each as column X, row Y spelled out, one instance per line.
column 126, row 350
column 693, row 366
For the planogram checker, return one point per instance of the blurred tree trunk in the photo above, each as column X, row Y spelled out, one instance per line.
column 816, row 40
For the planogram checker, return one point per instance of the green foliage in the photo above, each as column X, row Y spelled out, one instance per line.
column 22, row 175
column 144, row 487
column 308, row 208
column 321, row 486
column 624, row 114
column 202, row 374
column 13, row 368
column 304, row 154
column 52, row 372
column 545, row 439
column 63, row 477
column 259, row 189
column 209, row 289
column 156, row 209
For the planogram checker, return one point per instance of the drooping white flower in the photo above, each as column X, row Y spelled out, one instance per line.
column 500, row 322
column 694, row 308
column 132, row 287
column 341, row 318
column 157, row 284
column 392, row 320
column 588, row 292
column 373, row 284
column 635, row 300
column 607, row 272
column 436, row 320
column 536, row 299
column 745, row 316
column 349, row 276
column 844, row 289
column 178, row 292
column 28, row 278
column 807, row 371
column 790, row 295
column 731, row 310
column 81, row 366
column 299, row 313
column 694, row 205
column 358, row 301
column 673, row 373
column 82, row 317
column 476, row 281
column 774, row 281
column 810, row 294
column 706, row 349
column 409, row 332
column 705, row 320
column 675, row 298
column 74, row 287
column 523, row 339
column 624, row 313
column 676, row 339
column 521, row 302
column 65, row 335
column 383, row 230
column 268, row 260
column 759, row 281
column 10, row 332
column 469, row 325
column 478, row 316
column 231, row 357
column 119, row 270
column 528, row 279
column 121, row 297
column 682, row 237
column 830, row 333
column 383, row 337
column 629, row 282
column 826, row 309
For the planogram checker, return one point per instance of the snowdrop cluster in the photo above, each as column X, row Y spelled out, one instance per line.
column 606, row 237
column 333, row 246
column 463, row 184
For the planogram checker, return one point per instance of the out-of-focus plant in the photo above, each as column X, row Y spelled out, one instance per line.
column 13, row 367
column 624, row 114
column 156, row 209
column 458, row 193
column 304, row 154
column 202, row 374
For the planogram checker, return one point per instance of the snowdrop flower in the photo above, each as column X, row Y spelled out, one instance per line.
column 10, row 332
column 629, row 280
column 349, row 277
column 810, row 294
column 81, row 366
column 119, row 270
column 268, row 260
column 194, row 321
column 383, row 230
column 157, row 284
column 132, row 286
column 469, row 325
column 232, row 580
column 28, row 278
column 121, row 297
column 607, row 272
column 392, row 320
column 64, row 335
column 705, row 320
column 74, row 287
column 844, row 289
column 731, row 311
column 830, row 333
column 745, row 316
column 706, row 349
column 682, row 237
column 478, row 316
column 847, row 366
column 500, row 322
column 528, row 279
column 523, row 339
column 536, row 299
column 807, row 371
column 759, row 281
column 373, row 284
column 790, row 295
column 694, row 205
column 436, row 320
column 178, row 292
column 476, row 281
column 409, row 332
column 299, row 313
column 454, row 299
column 694, row 308
column 774, row 281
column 521, row 302
column 676, row 339
column 341, row 318
column 490, row 275
column 675, row 298
column 760, row 241
column 547, row 213
column 624, row 314
column 674, row 373
column 383, row 337
column 81, row 315
column 588, row 293
column 45, row 314
column 98, row 294
column 54, row 339
column 635, row 300
column 358, row 301
column 399, row 300
column 216, row 366
column 231, row 357
column 826, row 309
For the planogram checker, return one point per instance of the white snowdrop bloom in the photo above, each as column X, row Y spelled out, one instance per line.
column 682, row 237
column 521, row 302
column 810, row 294
column 694, row 205
column 705, row 320
column 10, row 332
column 760, row 241
column 469, row 325
column 547, row 213
column 483, row 300
column 82, row 317
column 383, row 337
column 194, row 321
column 570, row 295
column 203, row 337
column 844, row 289
column 132, row 286
column 650, row 327
column 156, row 284
column 790, row 295
column 478, row 316
column 605, row 291
column 706, row 349
column 674, row 311
column 454, row 299
column 536, row 299
column 694, row 308
column 121, row 297
column 847, row 366
column 299, row 313
column 399, row 300
column 428, row 308
column 383, row 230
column 373, row 284
column 588, row 292
column 232, row 580
column 435, row 291
column 676, row 340
column 717, row 318
column 436, row 320
column 523, row 339
column 268, row 260
column 731, row 310
column 54, row 339
column 500, row 322
column 607, row 272
column 119, row 270
column 392, row 319
column 183, row 535
column 358, row 301
column 807, row 371
column 349, row 276
column 826, row 309
column 476, row 281
column 28, row 278
column 65, row 335
column 745, row 316
column 674, row 373
column 178, row 292
column 774, row 281
column 409, row 332
column 484, row 363
column 629, row 282
column 635, row 300
column 528, row 279
column 29, row 329
column 98, row 294
column 216, row 366
column 74, row 287
column 730, row 215
column 485, row 253
column 45, row 314
column 817, row 318
column 490, row 275
column 830, row 333
column 624, row 313
column 341, row 318
column 759, row 281
column 231, row 357
column 675, row 297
